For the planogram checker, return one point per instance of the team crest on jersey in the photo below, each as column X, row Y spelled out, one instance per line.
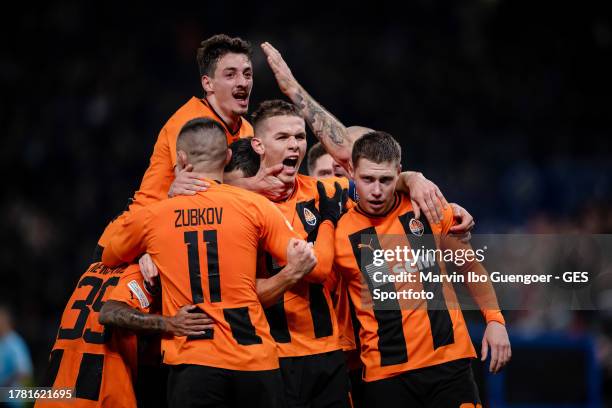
column 416, row 227
column 310, row 217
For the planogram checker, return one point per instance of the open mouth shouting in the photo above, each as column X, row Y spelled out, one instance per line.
column 241, row 96
column 290, row 164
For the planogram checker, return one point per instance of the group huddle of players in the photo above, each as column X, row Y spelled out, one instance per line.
column 232, row 280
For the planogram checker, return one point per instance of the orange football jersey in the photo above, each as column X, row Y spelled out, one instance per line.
column 395, row 335
column 160, row 173
column 342, row 307
column 99, row 363
column 303, row 321
column 205, row 247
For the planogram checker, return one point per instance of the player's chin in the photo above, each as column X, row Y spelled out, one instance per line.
column 287, row 177
column 241, row 107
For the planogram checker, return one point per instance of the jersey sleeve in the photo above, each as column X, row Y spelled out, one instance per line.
column 129, row 241
column 159, row 175
column 448, row 220
column 132, row 291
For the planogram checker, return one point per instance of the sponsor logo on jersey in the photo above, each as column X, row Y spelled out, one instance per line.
column 416, row 227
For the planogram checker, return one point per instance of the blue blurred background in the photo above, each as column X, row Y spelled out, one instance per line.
column 504, row 104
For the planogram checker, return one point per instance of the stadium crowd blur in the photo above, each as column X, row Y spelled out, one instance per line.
column 504, row 104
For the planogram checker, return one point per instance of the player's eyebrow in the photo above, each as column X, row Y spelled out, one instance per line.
column 283, row 134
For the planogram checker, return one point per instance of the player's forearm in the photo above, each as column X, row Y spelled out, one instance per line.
column 271, row 289
column 115, row 313
column 483, row 293
column 324, row 250
column 332, row 134
column 403, row 183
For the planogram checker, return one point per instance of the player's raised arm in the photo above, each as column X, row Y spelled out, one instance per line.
column 325, row 126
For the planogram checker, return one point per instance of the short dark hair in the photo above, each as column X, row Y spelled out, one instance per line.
column 204, row 140
column 316, row 151
column 215, row 47
column 377, row 147
column 243, row 158
column 271, row 108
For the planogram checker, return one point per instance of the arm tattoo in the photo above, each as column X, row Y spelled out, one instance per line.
column 323, row 124
column 119, row 314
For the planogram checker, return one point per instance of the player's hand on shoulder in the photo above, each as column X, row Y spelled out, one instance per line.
column 285, row 79
column 188, row 321
column 425, row 196
column 186, row 182
column 330, row 208
column 463, row 230
column 496, row 339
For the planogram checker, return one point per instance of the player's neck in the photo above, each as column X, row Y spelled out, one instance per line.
column 212, row 175
column 229, row 118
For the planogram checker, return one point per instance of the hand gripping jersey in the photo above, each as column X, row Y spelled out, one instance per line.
column 99, row 363
column 205, row 247
column 303, row 321
column 396, row 337
column 160, row 173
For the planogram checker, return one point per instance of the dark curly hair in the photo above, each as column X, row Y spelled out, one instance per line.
column 216, row 47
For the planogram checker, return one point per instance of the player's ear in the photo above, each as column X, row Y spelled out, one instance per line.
column 257, row 145
column 228, row 157
column 207, row 84
column 181, row 159
column 351, row 169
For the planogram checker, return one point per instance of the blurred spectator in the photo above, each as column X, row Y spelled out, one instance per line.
column 15, row 362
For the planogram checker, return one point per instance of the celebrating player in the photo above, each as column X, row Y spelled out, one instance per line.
column 206, row 249
column 415, row 354
column 338, row 140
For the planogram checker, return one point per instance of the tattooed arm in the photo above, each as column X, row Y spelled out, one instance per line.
column 338, row 140
column 334, row 136
column 184, row 323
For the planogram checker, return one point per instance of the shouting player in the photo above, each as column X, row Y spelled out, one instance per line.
column 416, row 353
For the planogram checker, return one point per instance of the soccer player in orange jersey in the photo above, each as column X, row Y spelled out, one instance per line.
column 302, row 322
column 205, row 247
column 226, row 75
column 415, row 353
column 100, row 363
